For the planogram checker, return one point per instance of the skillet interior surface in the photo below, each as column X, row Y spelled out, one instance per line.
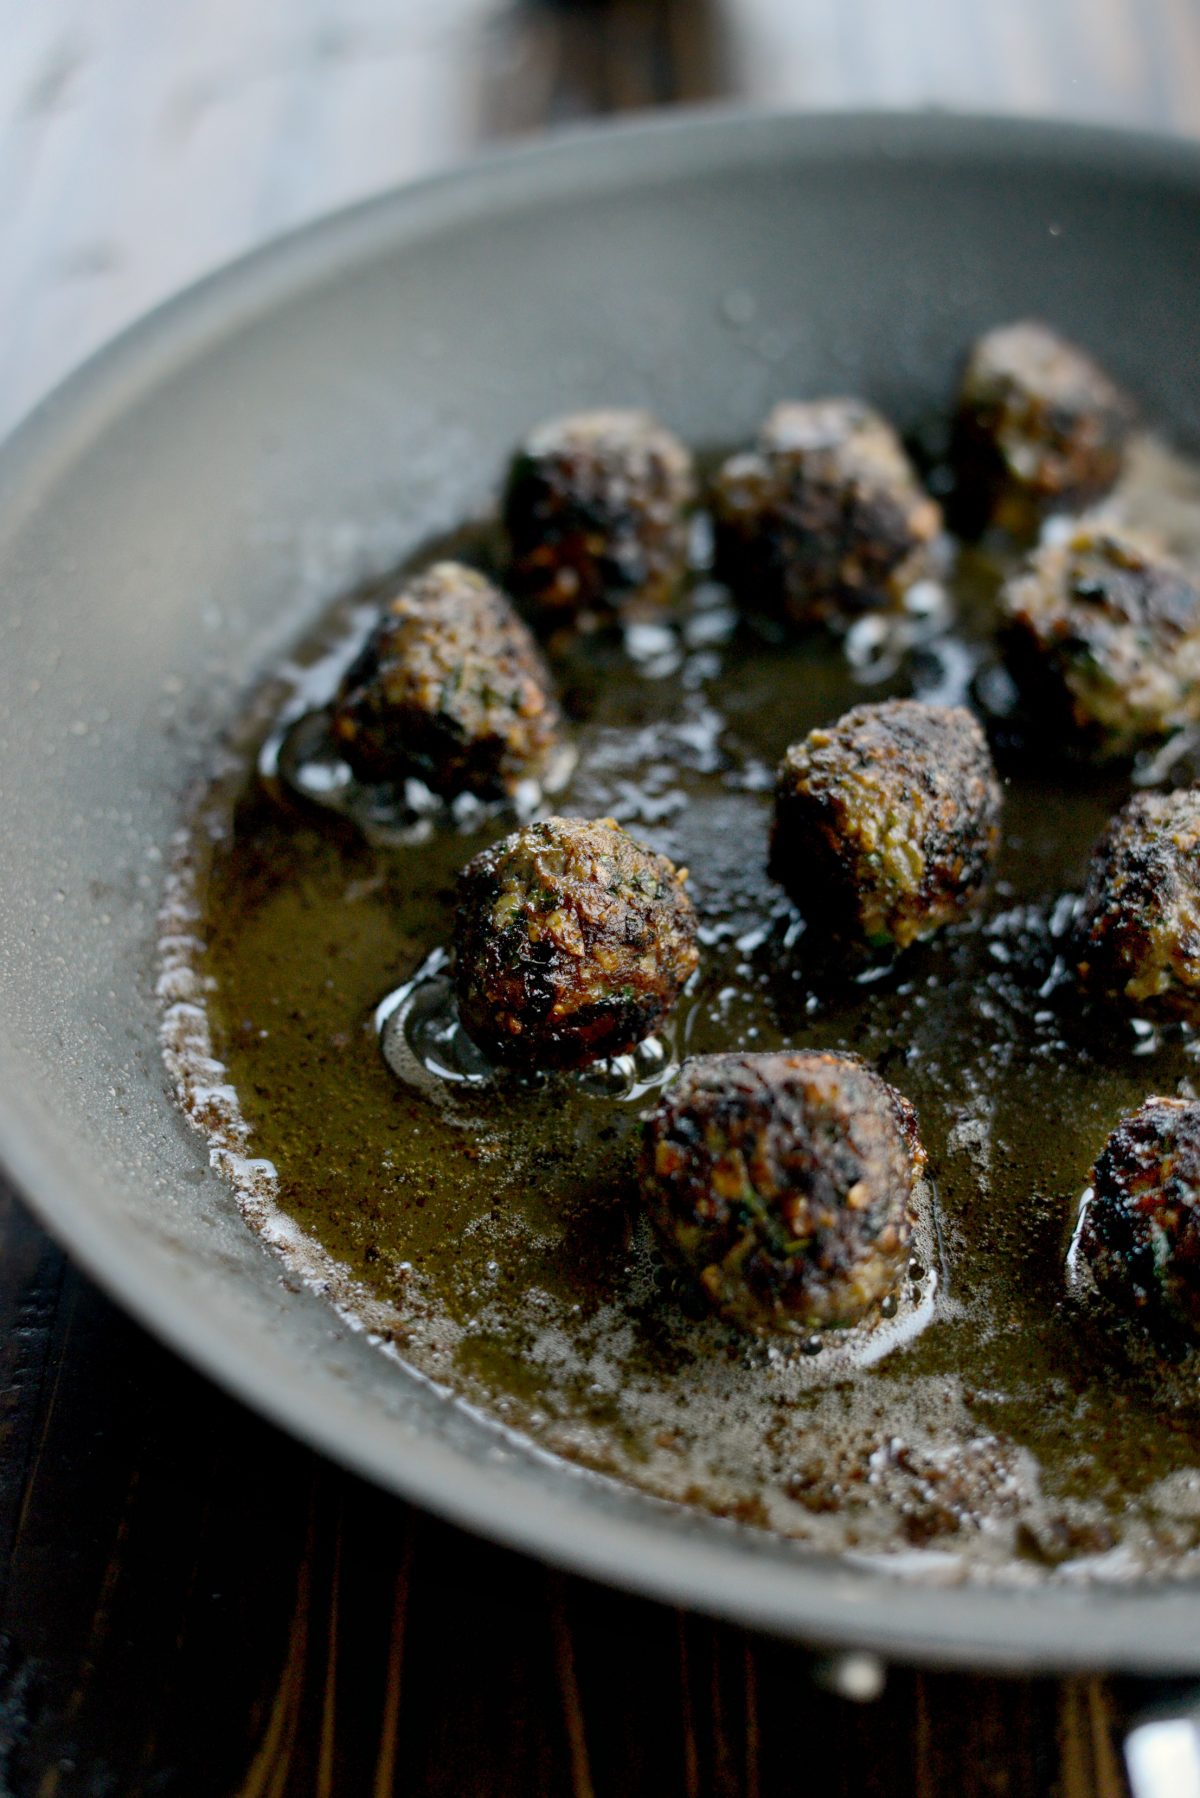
column 173, row 517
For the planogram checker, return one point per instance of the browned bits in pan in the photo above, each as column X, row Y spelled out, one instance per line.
column 824, row 518
column 597, row 514
column 571, row 942
column 1141, row 1228
column 451, row 689
column 784, row 1182
column 1139, row 931
column 1103, row 636
column 886, row 823
column 1040, row 428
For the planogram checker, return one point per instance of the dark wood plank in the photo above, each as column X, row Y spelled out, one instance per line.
column 194, row 1603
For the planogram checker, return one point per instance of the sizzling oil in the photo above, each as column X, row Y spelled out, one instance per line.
column 494, row 1226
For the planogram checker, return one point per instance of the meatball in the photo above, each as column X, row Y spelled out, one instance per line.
column 597, row 514
column 1103, row 637
column 886, row 822
column 824, row 518
column 571, row 942
column 1141, row 1227
column 451, row 689
column 1139, row 930
column 1039, row 429
column 784, row 1182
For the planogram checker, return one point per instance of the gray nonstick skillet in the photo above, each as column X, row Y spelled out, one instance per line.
column 174, row 514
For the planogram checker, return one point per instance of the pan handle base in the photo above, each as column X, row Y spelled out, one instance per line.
column 1162, row 1749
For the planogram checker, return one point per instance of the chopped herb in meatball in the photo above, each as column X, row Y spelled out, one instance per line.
column 886, row 823
column 571, row 942
column 824, row 518
column 1139, row 930
column 450, row 689
column 784, row 1182
column 1103, row 637
column 1141, row 1227
column 597, row 511
column 1039, row 429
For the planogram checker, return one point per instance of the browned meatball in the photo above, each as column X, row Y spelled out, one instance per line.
column 784, row 1182
column 571, row 942
column 824, row 518
column 1040, row 428
column 1103, row 637
column 450, row 689
column 1139, row 931
column 597, row 514
column 1141, row 1226
column 886, row 822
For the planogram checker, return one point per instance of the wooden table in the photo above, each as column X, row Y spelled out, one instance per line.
column 191, row 1603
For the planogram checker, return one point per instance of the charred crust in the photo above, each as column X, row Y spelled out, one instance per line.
column 596, row 508
column 887, row 822
column 1138, row 941
column 824, row 518
column 784, row 1182
column 1039, row 428
column 1102, row 635
column 571, row 942
column 451, row 689
column 1141, row 1228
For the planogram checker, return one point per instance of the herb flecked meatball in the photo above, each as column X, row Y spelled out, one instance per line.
column 451, row 689
column 597, row 514
column 824, row 518
column 1141, row 1227
column 1039, row 429
column 886, row 822
column 1103, row 638
column 571, row 942
column 784, row 1182
column 1139, row 930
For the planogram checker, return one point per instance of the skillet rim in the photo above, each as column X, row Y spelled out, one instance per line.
column 640, row 1544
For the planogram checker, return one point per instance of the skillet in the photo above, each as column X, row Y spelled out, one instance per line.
column 174, row 514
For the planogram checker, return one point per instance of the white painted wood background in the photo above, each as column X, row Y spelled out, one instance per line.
column 143, row 142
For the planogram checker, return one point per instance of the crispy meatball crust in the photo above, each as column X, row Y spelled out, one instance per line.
column 571, row 942
column 824, row 518
column 1103, row 637
column 1039, row 429
column 1141, row 1230
column 597, row 514
column 785, row 1183
column 451, row 689
column 1139, row 930
column 886, row 823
